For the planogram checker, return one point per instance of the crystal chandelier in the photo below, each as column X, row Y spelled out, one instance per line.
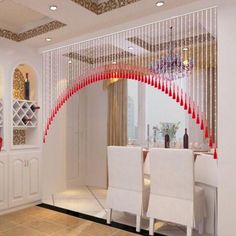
column 173, row 66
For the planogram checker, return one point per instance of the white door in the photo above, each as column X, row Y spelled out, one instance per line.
column 17, row 176
column 33, row 177
column 3, row 182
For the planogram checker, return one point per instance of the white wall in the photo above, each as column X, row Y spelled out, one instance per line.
column 54, row 156
column 96, row 135
column 87, row 137
column 226, row 118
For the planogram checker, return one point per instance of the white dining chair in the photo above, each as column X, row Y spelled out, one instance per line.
column 126, row 189
column 173, row 195
column 206, row 176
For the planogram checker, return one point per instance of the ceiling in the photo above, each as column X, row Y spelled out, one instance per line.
column 73, row 18
column 16, row 17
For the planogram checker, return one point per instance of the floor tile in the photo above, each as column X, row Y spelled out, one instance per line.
column 23, row 231
column 5, row 224
column 66, row 220
column 19, row 218
column 99, row 192
column 74, row 230
column 38, row 212
column 80, row 205
column 99, row 230
column 82, row 192
column 124, row 233
column 44, row 226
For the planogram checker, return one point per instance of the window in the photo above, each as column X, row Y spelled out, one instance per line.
column 149, row 107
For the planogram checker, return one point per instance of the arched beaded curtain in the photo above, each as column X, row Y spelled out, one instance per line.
column 177, row 56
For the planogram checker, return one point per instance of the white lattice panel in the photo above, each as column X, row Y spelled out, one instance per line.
column 23, row 114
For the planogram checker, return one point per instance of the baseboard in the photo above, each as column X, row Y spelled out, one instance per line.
column 98, row 220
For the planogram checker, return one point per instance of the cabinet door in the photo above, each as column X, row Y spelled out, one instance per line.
column 3, row 182
column 17, row 176
column 33, row 177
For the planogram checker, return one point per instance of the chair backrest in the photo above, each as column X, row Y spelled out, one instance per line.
column 125, row 168
column 206, row 170
column 172, row 173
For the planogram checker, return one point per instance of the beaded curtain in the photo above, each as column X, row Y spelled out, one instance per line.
column 177, row 56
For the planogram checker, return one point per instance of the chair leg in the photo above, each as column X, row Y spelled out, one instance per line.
column 151, row 226
column 109, row 216
column 189, row 231
column 138, row 223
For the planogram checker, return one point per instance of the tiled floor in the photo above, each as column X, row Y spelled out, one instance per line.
column 92, row 201
column 36, row 221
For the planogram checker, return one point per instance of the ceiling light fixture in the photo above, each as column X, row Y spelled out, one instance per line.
column 160, row 3
column 69, row 62
column 130, row 48
column 53, row 7
column 185, row 49
column 48, row 39
column 114, row 62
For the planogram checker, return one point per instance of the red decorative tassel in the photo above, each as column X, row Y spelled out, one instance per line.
column 145, row 79
column 189, row 107
column 170, row 91
column 181, row 99
column 193, row 114
column 202, row 125
column 185, row 102
column 142, row 78
column 155, row 83
column 206, row 132
column 163, row 86
column 198, row 119
column 159, row 84
column 152, row 81
column 139, row 77
column 177, row 97
column 148, row 79
column 211, row 139
column 215, row 153
column 174, row 95
column 166, row 90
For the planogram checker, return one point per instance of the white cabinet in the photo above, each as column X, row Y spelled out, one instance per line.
column 3, row 181
column 24, row 178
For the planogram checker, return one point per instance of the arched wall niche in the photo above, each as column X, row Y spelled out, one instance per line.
column 18, row 79
column 25, row 128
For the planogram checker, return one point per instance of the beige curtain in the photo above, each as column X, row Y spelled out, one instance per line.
column 117, row 113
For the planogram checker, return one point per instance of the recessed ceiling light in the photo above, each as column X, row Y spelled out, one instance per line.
column 48, row 39
column 160, row 3
column 131, row 48
column 185, row 49
column 53, row 7
column 69, row 62
column 114, row 62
